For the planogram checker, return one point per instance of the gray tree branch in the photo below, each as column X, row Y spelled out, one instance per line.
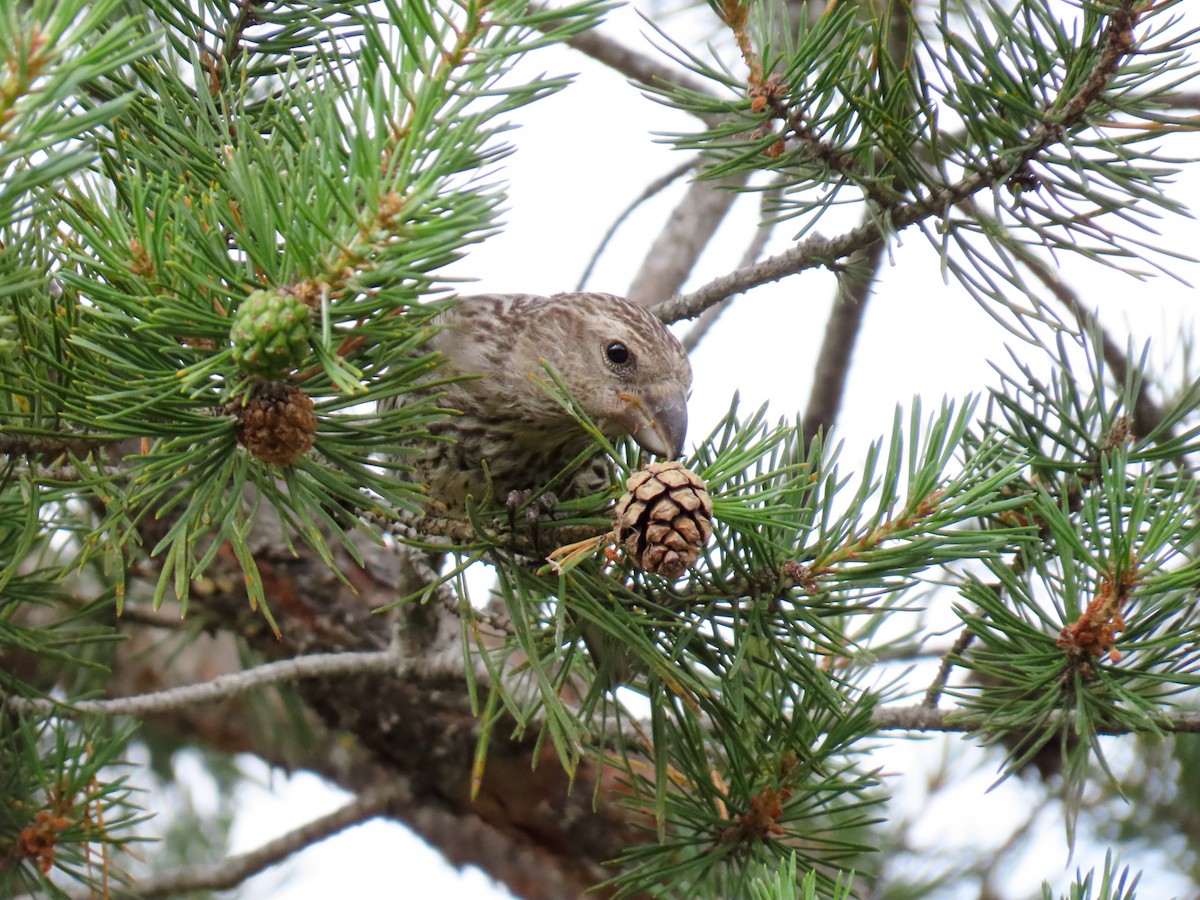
column 758, row 243
column 680, row 243
column 232, row 871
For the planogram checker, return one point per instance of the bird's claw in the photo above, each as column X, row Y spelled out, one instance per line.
column 537, row 510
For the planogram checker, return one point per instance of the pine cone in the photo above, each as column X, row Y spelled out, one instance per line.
column 270, row 333
column 277, row 423
column 664, row 519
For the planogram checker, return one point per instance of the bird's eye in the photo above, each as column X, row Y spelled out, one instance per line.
column 617, row 353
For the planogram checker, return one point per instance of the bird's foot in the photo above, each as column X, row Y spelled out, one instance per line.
column 537, row 510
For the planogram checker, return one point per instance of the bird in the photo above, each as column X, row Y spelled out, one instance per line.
column 507, row 435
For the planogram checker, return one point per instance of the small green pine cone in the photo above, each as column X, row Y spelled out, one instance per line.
column 270, row 333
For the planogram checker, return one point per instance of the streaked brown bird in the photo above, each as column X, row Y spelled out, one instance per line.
column 616, row 359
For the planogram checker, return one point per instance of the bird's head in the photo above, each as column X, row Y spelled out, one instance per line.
column 620, row 364
column 615, row 358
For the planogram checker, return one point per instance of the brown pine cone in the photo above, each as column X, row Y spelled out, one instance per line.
column 277, row 423
column 664, row 519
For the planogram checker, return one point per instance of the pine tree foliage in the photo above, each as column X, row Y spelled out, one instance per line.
column 224, row 232
column 1110, row 885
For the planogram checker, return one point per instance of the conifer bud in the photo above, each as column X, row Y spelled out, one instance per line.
column 276, row 423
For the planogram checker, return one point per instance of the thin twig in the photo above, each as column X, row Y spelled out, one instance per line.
column 1147, row 415
column 14, row 444
column 934, row 692
column 317, row 665
column 1183, row 100
column 922, row 719
column 428, row 531
column 681, row 242
column 54, row 475
column 841, row 334
column 856, row 282
column 234, row 870
column 814, row 252
column 653, row 189
column 999, row 861
column 762, row 234
column 138, row 614
column 636, row 66
column 817, row 251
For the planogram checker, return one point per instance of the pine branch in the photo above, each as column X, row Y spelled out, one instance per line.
column 322, row 665
column 17, row 445
column 811, row 253
column 1147, row 415
column 1189, row 100
column 934, row 692
column 674, row 252
column 923, row 719
column 653, row 189
column 841, row 334
column 762, row 234
column 431, row 532
column 856, row 284
column 633, row 65
column 232, row 871
column 890, row 217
